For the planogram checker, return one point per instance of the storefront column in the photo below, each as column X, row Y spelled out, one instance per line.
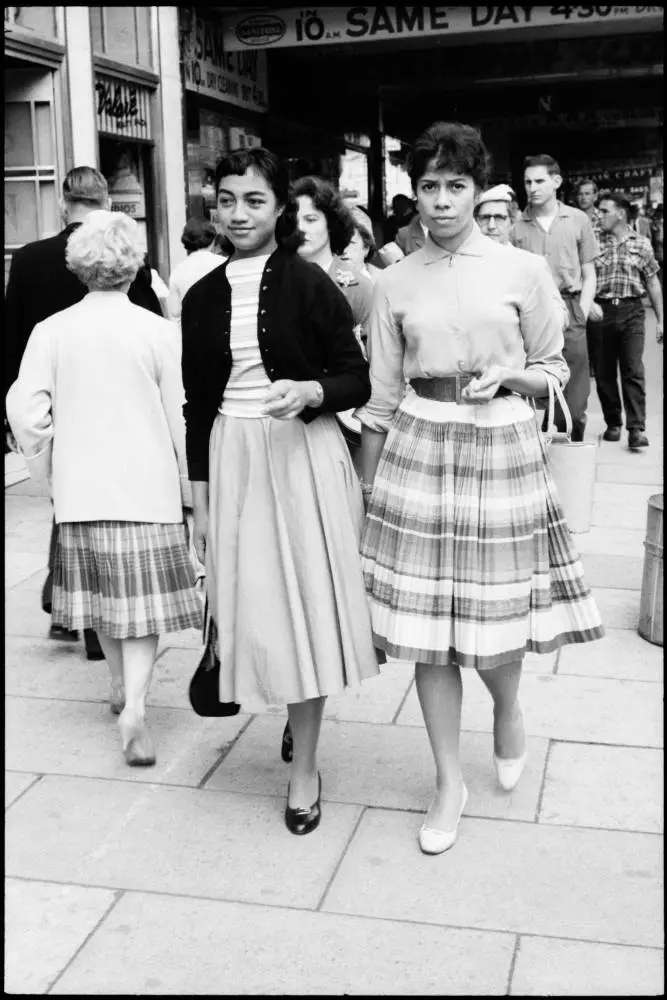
column 81, row 87
column 376, row 206
column 172, row 132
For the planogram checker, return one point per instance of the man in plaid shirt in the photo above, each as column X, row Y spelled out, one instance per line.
column 626, row 270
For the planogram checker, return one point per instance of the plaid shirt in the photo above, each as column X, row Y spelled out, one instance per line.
column 624, row 266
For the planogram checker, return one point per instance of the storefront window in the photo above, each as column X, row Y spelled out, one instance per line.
column 123, row 34
column 31, row 202
column 40, row 20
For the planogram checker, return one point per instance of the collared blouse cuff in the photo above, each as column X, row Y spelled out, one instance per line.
column 375, row 417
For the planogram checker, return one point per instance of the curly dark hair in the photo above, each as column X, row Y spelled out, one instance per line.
column 450, row 146
column 324, row 196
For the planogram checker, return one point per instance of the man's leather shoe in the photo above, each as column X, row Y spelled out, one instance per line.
column 637, row 440
column 304, row 820
column 63, row 634
column 287, row 745
column 612, row 434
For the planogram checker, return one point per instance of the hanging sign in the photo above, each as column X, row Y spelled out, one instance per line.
column 299, row 27
column 209, row 69
column 123, row 108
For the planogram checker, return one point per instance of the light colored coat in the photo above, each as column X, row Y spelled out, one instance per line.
column 97, row 411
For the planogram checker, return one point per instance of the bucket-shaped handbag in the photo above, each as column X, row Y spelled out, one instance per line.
column 572, row 465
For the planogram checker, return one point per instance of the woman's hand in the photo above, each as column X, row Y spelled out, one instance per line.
column 200, row 533
column 287, row 398
column 485, row 386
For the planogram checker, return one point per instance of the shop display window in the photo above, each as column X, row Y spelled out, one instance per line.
column 123, row 34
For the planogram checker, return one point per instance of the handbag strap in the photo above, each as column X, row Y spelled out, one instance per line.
column 555, row 392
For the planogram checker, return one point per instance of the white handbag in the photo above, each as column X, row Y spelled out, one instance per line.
column 572, row 464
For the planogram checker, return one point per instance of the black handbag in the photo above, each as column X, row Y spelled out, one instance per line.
column 204, row 690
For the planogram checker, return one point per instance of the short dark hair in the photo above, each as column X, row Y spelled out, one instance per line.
column 542, row 160
column 262, row 161
column 340, row 222
column 619, row 198
column 197, row 234
column 85, row 186
column 586, row 181
column 273, row 170
column 452, row 146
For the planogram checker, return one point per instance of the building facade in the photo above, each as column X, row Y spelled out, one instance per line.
column 94, row 86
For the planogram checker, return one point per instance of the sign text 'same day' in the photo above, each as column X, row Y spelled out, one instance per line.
column 236, row 77
column 298, row 27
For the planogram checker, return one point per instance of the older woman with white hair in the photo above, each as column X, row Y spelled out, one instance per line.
column 96, row 410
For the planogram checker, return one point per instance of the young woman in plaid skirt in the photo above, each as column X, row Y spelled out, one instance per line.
column 468, row 561
column 97, row 410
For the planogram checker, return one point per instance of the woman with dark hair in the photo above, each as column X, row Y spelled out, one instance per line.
column 326, row 226
column 269, row 355
column 198, row 238
column 467, row 558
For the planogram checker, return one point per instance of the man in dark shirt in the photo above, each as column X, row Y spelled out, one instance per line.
column 39, row 285
column 626, row 271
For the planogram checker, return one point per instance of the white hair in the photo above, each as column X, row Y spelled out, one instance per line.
column 106, row 250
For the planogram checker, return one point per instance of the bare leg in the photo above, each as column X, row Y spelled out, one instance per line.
column 440, row 695
column 113, row 654
column 138, row 661
column 305, row 720
column 509, row 738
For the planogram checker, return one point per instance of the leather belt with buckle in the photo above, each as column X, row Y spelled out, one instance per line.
column 618, row 302
column 448, row 388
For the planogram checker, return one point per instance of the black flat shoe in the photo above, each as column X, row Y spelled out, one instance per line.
column 304, row 820
column 63, row 634
column 287, row 746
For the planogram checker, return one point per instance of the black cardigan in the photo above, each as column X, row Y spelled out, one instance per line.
column 304, row 329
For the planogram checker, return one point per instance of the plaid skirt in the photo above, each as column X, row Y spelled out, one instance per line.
column 466, row 554
column 124, row 578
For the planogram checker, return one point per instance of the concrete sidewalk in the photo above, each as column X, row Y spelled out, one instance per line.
column 182, row 879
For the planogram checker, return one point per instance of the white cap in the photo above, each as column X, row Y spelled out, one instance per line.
column 501, row 192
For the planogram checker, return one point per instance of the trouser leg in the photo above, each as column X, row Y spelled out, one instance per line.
column 606, row 368
column 579, row 385
column 631, row 363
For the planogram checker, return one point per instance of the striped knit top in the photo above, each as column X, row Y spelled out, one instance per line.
column 248, row 382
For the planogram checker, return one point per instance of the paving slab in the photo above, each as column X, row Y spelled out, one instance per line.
column 20, row 566
column 126, row 835
column 612, row 541
column 377, row 765
column 618, row 572
column 624, row 494
column 618, row 515
column 553, row 968
column 162, row 946
column 15, row 785
column 81, row 738
column 615, row 788
column 653, row 475
column 622, row 654
column 376, row 700
column 618, row 608
column 190, row 638
column 45, row 925
column 583, row 709
column 618, row 453
column 551, row 881
column 24, row 615
column 30, row 535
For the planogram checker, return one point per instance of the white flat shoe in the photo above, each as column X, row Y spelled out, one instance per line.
column 438, row 841
column 508, row 771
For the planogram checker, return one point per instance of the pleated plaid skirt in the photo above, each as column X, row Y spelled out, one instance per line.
column 466, row 554
column 124, row 578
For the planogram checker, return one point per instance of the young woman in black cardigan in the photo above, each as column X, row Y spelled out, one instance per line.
column 269, row 356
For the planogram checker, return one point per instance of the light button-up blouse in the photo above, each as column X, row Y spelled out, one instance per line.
column 437, row 313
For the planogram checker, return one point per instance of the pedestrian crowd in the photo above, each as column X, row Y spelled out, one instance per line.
column 347, row 438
